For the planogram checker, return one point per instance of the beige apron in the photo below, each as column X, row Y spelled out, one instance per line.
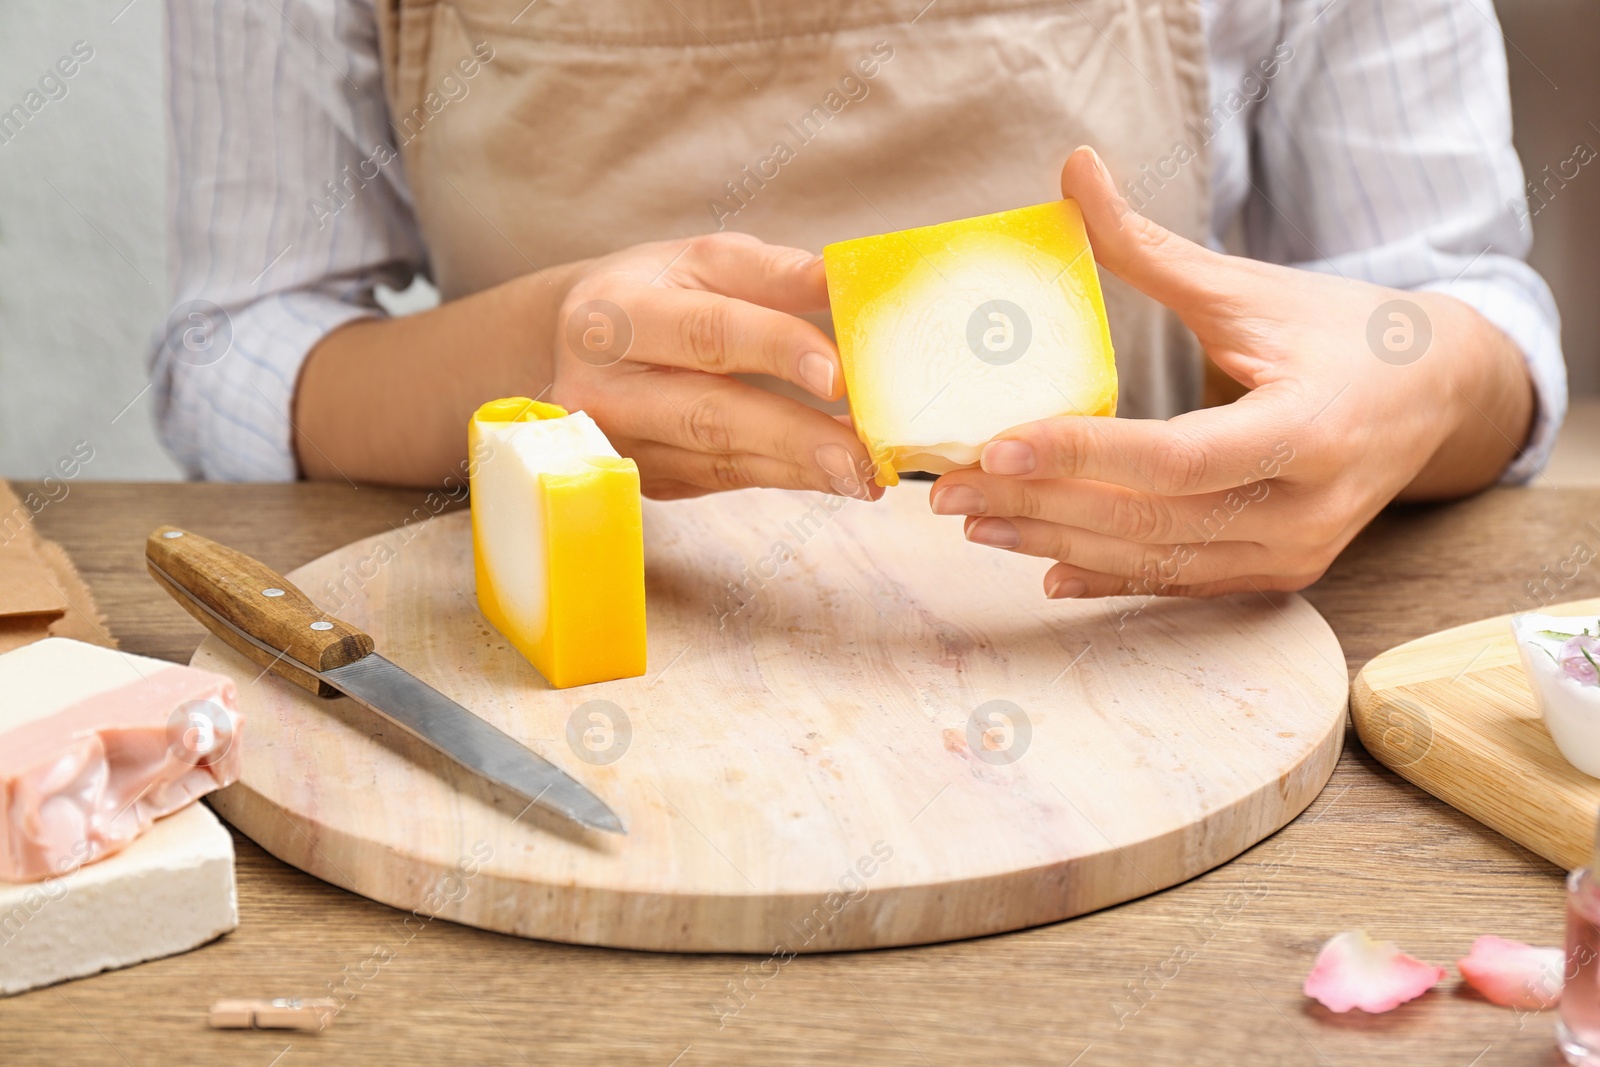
column 599, row 124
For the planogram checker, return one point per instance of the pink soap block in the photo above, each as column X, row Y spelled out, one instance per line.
column 96, row 744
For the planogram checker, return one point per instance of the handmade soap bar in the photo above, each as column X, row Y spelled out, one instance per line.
column 952, row 333
column 168, row 892
column 95, row 744
column 558, row 541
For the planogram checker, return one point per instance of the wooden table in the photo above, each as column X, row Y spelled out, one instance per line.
column 1205, row 973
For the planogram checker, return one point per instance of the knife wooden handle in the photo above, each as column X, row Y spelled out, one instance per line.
column 257, row 600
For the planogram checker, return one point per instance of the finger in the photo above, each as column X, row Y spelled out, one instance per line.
column 1114, row 510
column 716, row 471
column 1143, row 253
column 668, row 489
column 746, row 268
column 703, row 331
column 1205, row 451
column 721, row 416
column 1065, row 581
column 1166, row 564
column 847, row 475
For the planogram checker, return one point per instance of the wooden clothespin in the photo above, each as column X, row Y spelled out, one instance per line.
column 284, row 1013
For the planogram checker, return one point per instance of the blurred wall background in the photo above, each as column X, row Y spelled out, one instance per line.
column 82, row 263
column 1555, row 94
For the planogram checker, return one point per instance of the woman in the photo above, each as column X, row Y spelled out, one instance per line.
column 550, row 162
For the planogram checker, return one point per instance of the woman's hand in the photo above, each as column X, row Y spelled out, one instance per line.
column 1358, row 394
column 643, row 340
column 646, row 339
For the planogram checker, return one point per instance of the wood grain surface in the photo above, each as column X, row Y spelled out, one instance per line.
column 857, row 731
column 1205, row 973
column 1453, row 713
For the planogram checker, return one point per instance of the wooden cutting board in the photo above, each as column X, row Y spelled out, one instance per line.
column 857, row 730
column 1453, row 713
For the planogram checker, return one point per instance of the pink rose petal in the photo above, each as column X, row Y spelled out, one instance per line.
column 1514, row 975
column 1354, row 971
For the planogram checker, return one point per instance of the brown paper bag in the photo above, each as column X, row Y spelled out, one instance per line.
column 41, row 592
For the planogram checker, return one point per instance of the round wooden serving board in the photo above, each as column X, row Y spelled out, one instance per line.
column 858, row 730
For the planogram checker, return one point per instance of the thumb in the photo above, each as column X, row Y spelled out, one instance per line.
column 1148, row 256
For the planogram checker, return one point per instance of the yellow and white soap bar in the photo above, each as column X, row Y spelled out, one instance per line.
column 952, row 333
column 558, row 541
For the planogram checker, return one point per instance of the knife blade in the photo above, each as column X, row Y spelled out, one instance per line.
column 266, row 618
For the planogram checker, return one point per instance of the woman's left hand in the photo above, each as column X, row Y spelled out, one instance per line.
column 1357, row 395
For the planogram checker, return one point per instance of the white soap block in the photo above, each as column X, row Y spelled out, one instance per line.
column 169, row 891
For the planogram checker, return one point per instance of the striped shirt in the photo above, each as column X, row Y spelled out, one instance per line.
column 1367, row 138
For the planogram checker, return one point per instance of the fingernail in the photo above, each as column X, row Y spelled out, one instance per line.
column 996, row 533
column 853, row 490
column 958, row 500
column 1067, row 588
column 840, row 467
column 816, row 370
column 1100, row 165
column 1007, row 457
column 836, row 460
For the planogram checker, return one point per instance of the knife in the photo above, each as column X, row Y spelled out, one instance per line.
column 265, row 618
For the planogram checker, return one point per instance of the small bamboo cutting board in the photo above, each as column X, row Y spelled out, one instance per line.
column 857, row 730
column 1453, row 713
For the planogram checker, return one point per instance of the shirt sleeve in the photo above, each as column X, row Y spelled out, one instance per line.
column 1384, row 153
column 288, row 207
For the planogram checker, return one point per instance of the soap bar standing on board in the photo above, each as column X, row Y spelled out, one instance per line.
column 558, row 541
column 170, row 891
column 950, row 334
column 95, row 744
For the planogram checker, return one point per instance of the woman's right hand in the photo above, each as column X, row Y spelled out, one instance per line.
column 647, row 337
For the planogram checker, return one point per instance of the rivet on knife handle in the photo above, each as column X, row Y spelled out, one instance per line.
column 258, row 601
